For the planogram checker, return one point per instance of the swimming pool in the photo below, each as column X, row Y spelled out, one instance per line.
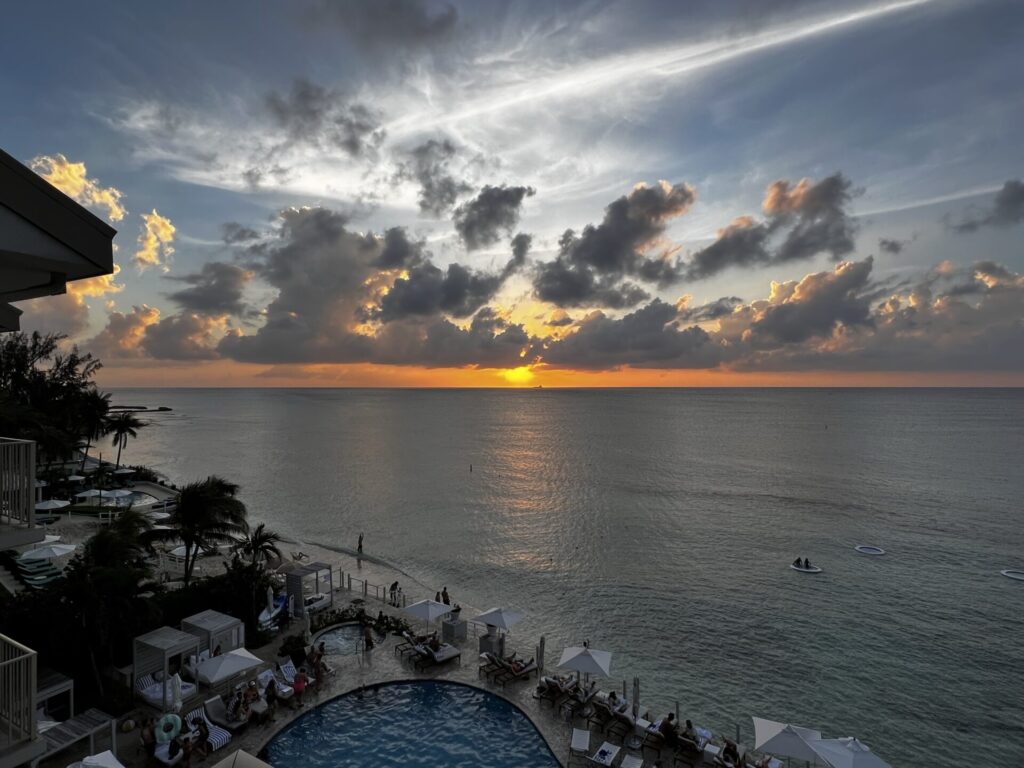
column 429, row 724
column 343, row 639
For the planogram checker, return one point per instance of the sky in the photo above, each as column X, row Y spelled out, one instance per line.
column 425, row 193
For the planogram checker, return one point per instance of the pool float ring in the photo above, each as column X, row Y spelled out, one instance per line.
column 867, row 549
column 1012, row 574
column 165, row 734
column 812, row 569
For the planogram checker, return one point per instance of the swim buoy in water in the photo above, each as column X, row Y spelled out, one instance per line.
column 867, row 549
column 812, row 569
column 1012, row 574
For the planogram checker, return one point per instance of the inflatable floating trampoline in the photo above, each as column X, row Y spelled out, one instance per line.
column 1011, row 574
column 867, row 549
column 802, row 569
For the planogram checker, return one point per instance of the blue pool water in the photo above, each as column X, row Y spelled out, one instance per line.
column 408, row 725
column 344, row 640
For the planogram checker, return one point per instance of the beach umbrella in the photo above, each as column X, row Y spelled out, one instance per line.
column 75, row 478
column 498, row 617
column 176, row 693
column 241, row 759
column 587, row 661
column 52, row 504
column 785, row 740
column 847, row 753
column 227, row 665
column 167, row 728
column 540, row 654
column 48, row 552
column 428, row 610
column 50, row 538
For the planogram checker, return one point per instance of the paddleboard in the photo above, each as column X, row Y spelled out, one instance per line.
column 812, row 569
column 1011, row 574
column 867, row 549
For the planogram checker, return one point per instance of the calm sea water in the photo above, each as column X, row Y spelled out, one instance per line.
column 660, row 524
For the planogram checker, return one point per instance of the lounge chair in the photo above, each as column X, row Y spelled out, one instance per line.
column 622, row 723
column 427, row 657
column 580, row 698
column 288, row 670
column 601, row 714
column 654, row 739
column 580, row 744
column 284, row 691
column 553, row 690
column 163, row 754
column 490, row 664
column 219, row 737
column 510, row 673
column 217, row 713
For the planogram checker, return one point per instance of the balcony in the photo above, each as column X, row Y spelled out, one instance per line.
column 19, row 739
column 17, row 493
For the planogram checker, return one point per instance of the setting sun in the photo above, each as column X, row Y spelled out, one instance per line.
column 520, row 375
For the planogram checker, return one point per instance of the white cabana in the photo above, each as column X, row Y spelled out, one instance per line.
column 227, row 665
column 498, row 617
column 241, row 759
column 48, row 552
column 428, row 610
column 785, row 740
column 153, row 652
column 49, row 504
column 214, row 628
column 847, row 753
column 586, row 660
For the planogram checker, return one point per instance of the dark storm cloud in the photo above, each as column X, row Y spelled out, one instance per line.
column 711, row 311
column 428, row 290
column 428, row 164
column 891, row 246
column 215, row 290
column 398, row 251
column 184, row 336
column 590, row 267
column 810, row 218
column 322, row 118
column 1007, row 210
column 232, row 232
column 521, row 244
column 394, row 25
column 646, row 338
column 495, row 210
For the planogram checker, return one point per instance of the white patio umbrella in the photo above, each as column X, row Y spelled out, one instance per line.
column 52, row 504
column 586, row 660
column 785, row 740
column 241, row 759
column 848, row 753
column 48, row 552
column 176, row 693
column 225, row 666
column 75, row 478
column 50, row 538
column 498, row 617
column 88, row 494
column 428, row 610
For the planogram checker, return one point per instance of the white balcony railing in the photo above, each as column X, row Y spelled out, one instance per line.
column 17, row 482
column 17, row 693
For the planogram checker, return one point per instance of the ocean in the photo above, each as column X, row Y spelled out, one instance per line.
column 660, row 525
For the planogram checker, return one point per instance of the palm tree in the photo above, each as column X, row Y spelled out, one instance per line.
column 92, row 412
column 208, row 514
column 260, row 545
column 123, row 425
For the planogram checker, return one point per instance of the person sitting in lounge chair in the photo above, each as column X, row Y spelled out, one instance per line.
column 730, row 755
column 201, row 743
column 434, row 644
column 237, row 710
column 518, row 665
column 689, row 741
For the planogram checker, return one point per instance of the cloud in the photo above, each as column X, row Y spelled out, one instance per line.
column 891, row 246
column 590, row 267
column 521, row 245
column 427, row 290
column 72, row 179
column 1007, row 210
column 392, row 25
column 321, row 118
column 801, row 221
column 122, row 337
column 232, row 233
column 428, row 164
column 482, row 220
column 399, row 251
column 154, row 241
column 97, row 286
column 713, row 310
column 66, row 313
column 185, row 336
column 215, row 290
column 559, row 319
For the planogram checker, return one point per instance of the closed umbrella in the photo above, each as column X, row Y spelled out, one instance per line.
column 848, row 753
column 586, row 660
column 52, row 504
column 48, row 552
column 540, row 654
column 786, row 740
column 270, row 601
column 634, row 740
column 176, row 693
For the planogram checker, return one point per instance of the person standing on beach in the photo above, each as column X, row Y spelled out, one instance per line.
column 359, row 548
column 444, row 596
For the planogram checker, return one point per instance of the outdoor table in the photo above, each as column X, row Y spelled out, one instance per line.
column 605, row 754
column 259, row 708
